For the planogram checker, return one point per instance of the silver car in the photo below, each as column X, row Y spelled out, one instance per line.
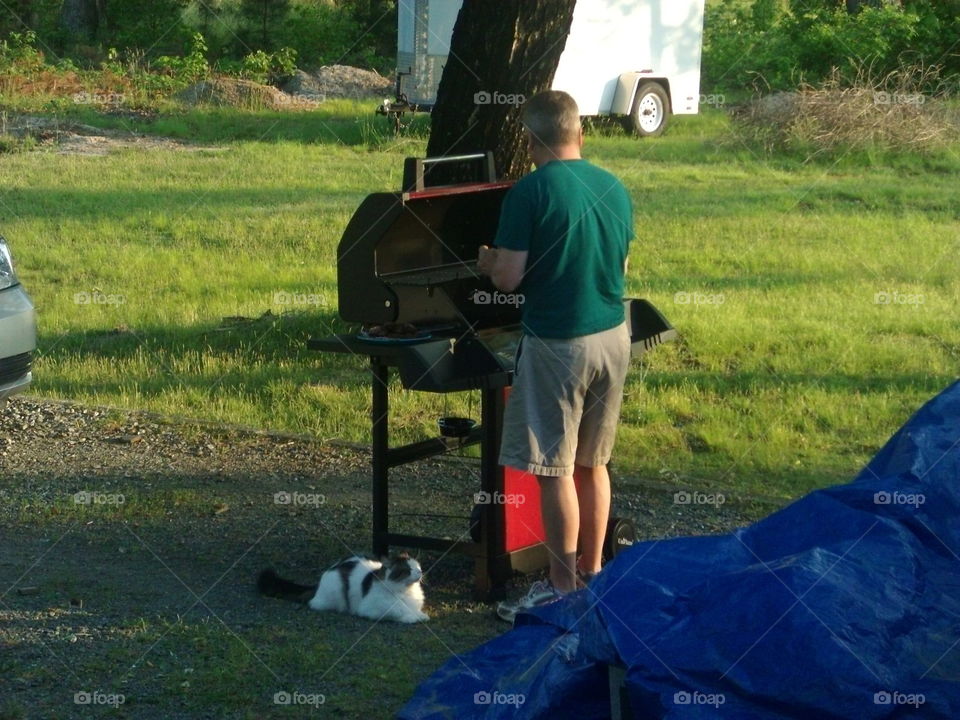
column 18, row 330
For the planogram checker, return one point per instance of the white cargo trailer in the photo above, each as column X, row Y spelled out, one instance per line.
column 636, row 59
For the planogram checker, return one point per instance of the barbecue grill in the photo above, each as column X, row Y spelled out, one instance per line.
column 410, row 258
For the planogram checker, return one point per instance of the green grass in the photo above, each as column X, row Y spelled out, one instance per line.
column 790, row 383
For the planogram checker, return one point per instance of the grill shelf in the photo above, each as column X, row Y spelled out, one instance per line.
column 438, row 275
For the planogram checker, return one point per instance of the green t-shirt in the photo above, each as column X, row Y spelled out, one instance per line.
column 575, row 221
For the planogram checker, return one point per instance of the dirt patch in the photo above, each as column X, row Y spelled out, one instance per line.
column 339, row 81
column 301, row 91
column 69, row 138
column 233, row 92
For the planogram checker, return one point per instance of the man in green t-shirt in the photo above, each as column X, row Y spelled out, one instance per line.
column 562, row 242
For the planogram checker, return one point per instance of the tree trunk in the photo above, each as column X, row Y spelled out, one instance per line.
column 18, row 15
column 81, row 18
column 501, row 52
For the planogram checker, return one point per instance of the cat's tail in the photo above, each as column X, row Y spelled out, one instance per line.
column 272, row 585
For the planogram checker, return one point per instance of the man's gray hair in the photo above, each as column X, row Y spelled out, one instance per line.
column 553, row 118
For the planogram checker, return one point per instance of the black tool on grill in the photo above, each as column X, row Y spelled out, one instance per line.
column 409, row 258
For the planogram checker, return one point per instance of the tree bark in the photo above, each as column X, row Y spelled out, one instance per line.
column 501, row 53
column 81, row 18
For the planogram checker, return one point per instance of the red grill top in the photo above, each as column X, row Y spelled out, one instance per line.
column 459, row 189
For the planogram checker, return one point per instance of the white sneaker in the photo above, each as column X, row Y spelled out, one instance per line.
column 540, row 593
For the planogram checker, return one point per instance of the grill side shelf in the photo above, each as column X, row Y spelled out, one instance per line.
column 435, row 365
column 349, row 344
column 648, row 327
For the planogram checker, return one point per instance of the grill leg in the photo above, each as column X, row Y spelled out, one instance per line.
column 492, row 568
column 381, row 443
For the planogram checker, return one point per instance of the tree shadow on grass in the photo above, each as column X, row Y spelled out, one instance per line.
column 750, row 381
column 253, row 352
column 261, row 346
column 53, row 204
column 357, row 126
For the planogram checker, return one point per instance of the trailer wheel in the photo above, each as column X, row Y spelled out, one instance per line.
column 651, row 108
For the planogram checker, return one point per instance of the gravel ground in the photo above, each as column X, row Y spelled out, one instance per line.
column 178, row 518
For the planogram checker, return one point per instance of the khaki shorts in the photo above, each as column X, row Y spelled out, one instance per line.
column 565, row 402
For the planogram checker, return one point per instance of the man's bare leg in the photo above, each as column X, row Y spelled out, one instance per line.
column 593, row 493
column 561, row 523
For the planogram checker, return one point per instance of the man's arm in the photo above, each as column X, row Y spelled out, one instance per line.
column 505, row 267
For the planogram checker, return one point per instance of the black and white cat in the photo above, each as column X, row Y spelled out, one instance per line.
column 359, row 586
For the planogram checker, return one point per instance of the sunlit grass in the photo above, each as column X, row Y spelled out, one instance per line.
column 791, row 370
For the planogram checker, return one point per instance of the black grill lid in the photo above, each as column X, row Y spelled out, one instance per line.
column 411, row 257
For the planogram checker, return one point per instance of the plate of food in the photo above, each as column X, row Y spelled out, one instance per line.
column 393, row 333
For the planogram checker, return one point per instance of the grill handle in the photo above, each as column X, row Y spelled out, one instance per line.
column 415, row 169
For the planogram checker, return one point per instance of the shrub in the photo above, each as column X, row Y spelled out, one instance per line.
column 889, row 112
column 155, row 26
column 263, row 18
column 326, row 35
column 266, row 67
column 19, row 52
column 763, row 45
column 190, row 68
column 12, row 144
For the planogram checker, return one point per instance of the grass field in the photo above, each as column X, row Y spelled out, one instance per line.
column 815, row 299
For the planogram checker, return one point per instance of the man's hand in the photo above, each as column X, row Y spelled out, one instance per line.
column 487, row 259
column 505, row 267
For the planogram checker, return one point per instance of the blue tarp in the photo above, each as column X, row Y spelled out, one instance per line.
column 844, row 604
